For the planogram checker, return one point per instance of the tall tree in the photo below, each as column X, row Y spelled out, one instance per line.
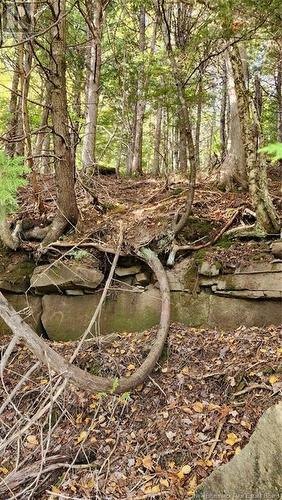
column 267, row 219
column 94, row 18
column 67, row 214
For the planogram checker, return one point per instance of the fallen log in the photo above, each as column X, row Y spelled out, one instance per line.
column 81, row 379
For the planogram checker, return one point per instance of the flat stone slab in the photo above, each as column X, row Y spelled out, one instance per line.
column 60, row 276
column 276, row 249
column 250, row 294
column 256, row 473
column 261, row 281
column 260, row 267
column 127, row 271
column 122, row 311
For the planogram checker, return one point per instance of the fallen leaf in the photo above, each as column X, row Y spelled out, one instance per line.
column 164, row 482
column 82, row 436
column 4, row 470
column 151, row 490
column 246, row 424
column 32, row 439
column 186, row 469
column 273, row 379
column 198, row 407
column 232, row 439
column 170, row 435
column 55, row 490
column 147, row 462
column 131, row 368
column 192, row 485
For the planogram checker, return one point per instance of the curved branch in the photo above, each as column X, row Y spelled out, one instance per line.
column 76, row 375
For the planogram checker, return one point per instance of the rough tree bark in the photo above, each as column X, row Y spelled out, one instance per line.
column 93, row 88
column 267, row 219
column 67, row 214
column 223, row 110
column 76, row 375
column 10, row 146
column 233, row 168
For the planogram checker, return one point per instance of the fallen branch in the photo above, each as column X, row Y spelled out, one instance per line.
column 216, row 439
column 252, row 388
column 87, row 244
column 18, row 478
column 76, row 375
column 194, row 248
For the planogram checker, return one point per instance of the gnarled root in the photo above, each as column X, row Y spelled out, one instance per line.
column 76, row 375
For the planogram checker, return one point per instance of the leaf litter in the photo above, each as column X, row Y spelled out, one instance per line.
column 196, row 411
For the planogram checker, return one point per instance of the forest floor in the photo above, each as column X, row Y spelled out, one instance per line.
column 202, row 402
column 146, row 207
column 197, row 410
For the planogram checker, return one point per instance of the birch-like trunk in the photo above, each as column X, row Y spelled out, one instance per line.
column 279, row 94
column 199, row 119
column 267, row 219
column 223, row 112
column 182, row 145
column 92, row 91
column 157, row 142
column 141, row 103
column 44, row 133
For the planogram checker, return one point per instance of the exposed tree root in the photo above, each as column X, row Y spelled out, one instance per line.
column 74, row 374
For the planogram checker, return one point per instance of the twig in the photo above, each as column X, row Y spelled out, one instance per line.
column 216, row 439
column 252, row 388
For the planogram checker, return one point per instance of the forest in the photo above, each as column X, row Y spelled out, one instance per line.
column 140, row 249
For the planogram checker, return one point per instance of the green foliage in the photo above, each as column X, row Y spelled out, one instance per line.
column 78, row 254
column 273, row 150
column 11, row 179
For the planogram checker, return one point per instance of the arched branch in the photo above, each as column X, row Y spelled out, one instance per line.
column 76, row 375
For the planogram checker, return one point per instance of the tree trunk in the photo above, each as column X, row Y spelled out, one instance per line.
column 42, row 136
column 279, row 94
column 233, row 168
column 157, row 142
column 199, row 119
column 223, row 109
column 67, row 214
column 92, row 91
column 141, row 103
column 25, row 70
column 19, row 146
column 10, row 146
column 267, row 219
column 182, row 145
column 46, row 160
column 185, row 113
column 131, row 144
